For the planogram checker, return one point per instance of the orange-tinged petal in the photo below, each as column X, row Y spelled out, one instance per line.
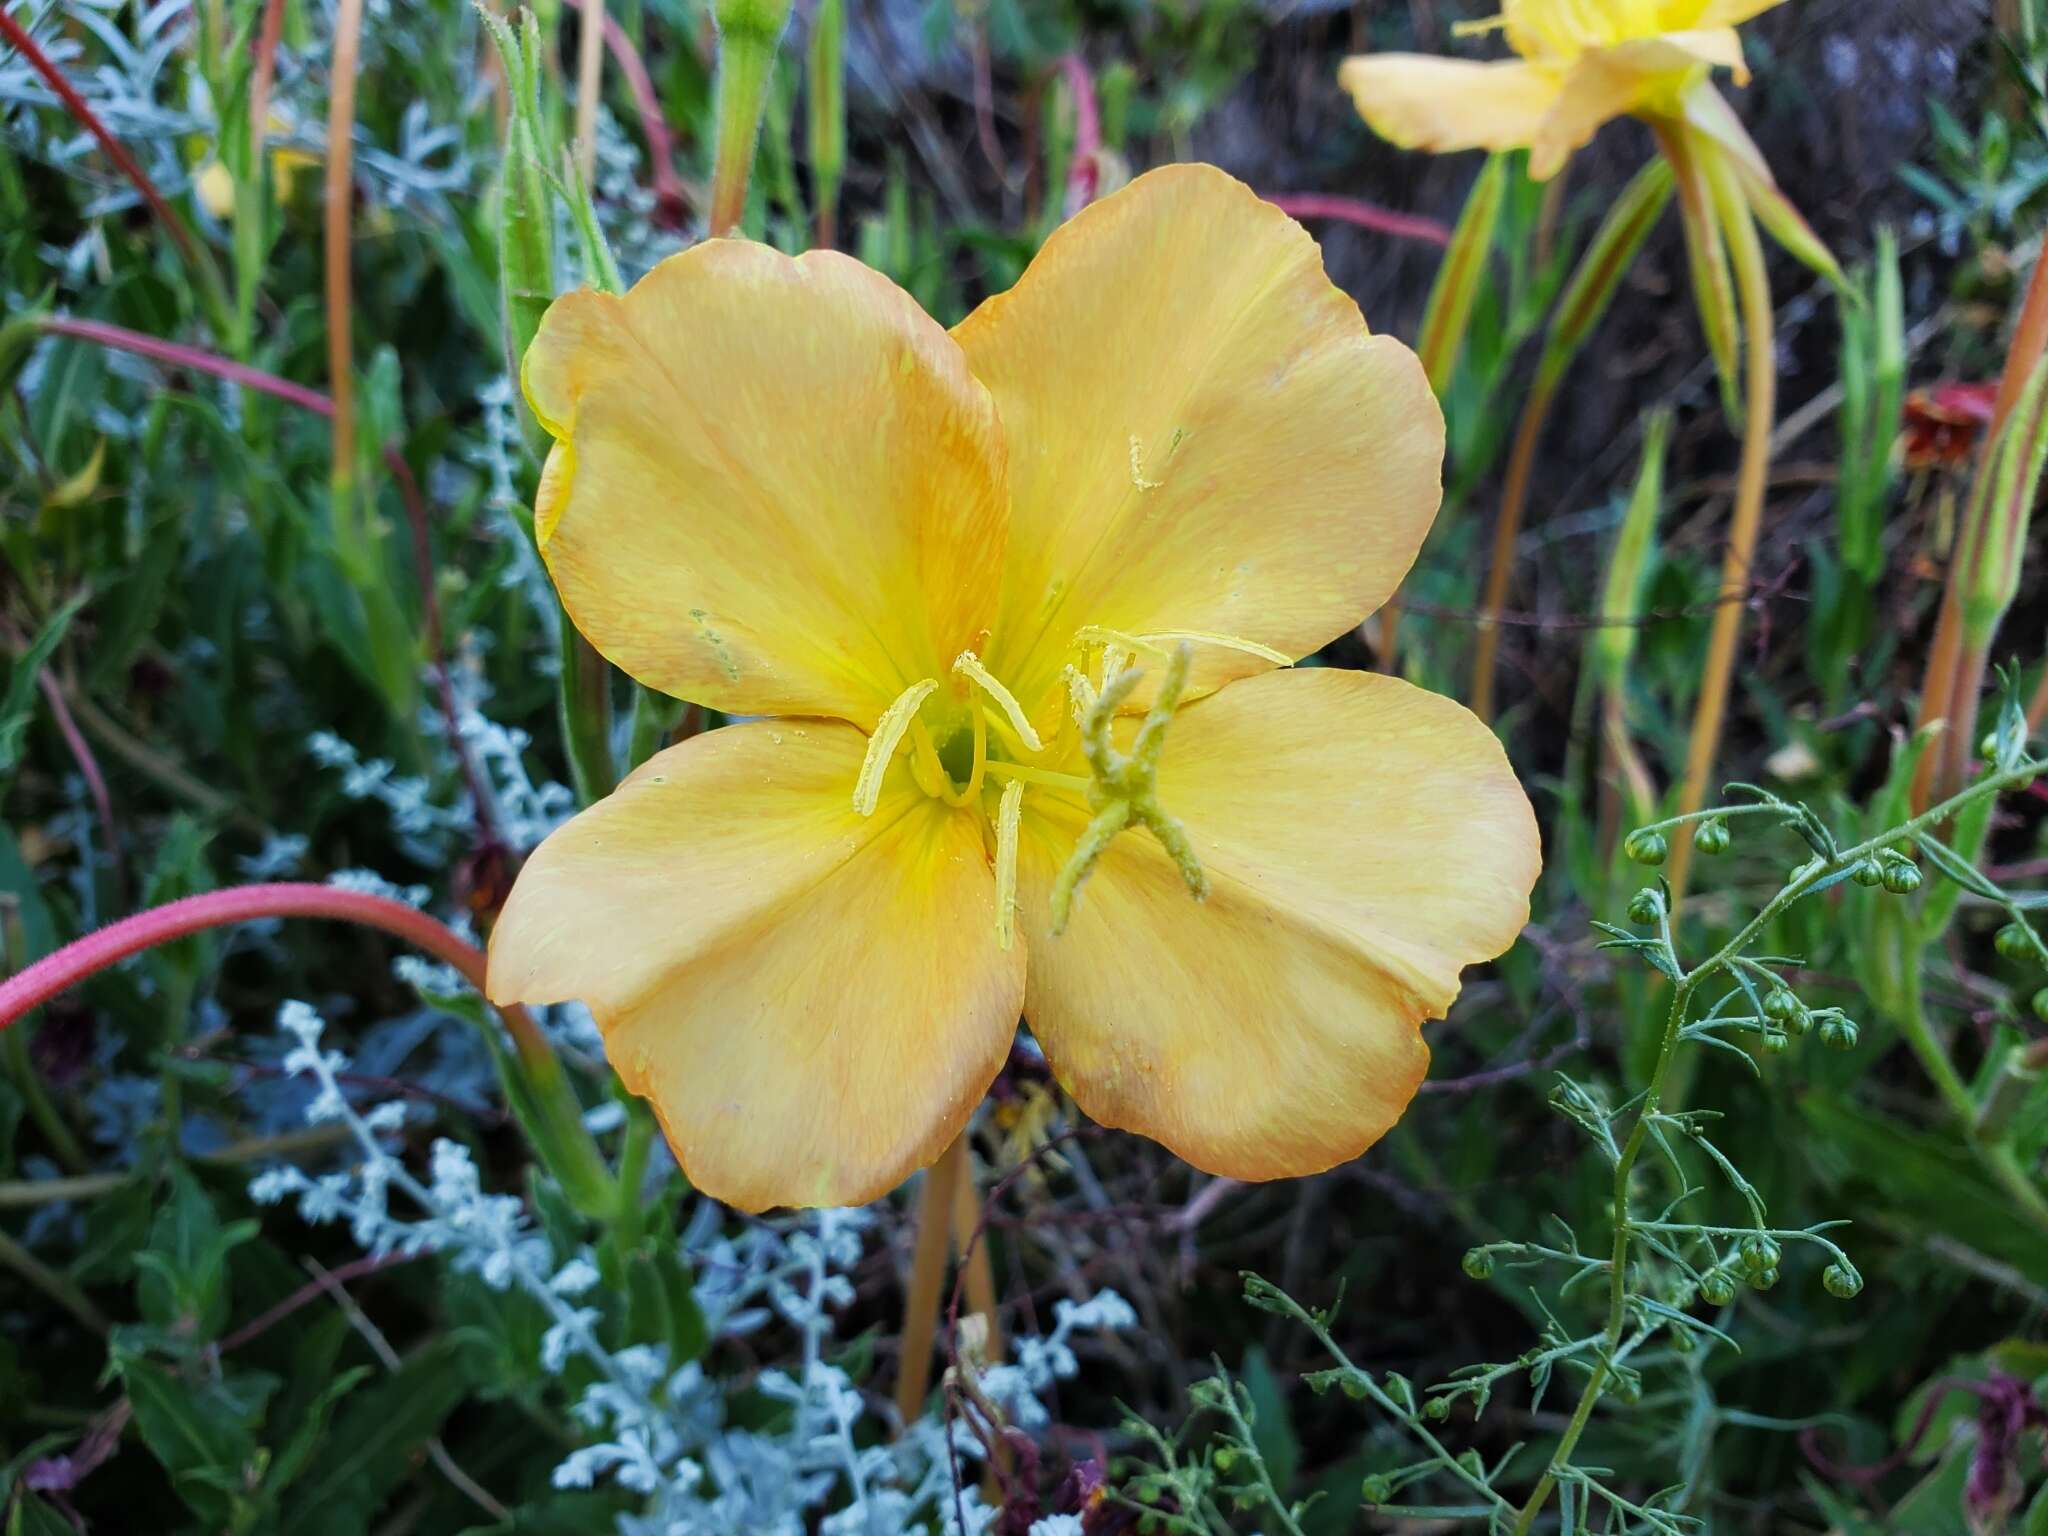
column 1419, row 101
column 1203, row 436
column 813, row 1001
column 1364, row 841
column 777, row 489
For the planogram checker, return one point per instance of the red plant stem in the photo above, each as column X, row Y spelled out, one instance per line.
column 672, row 198
column 985, row 104
column 1351, row 210
column 1084, row 175
column 115, row 150
column 201, row 361
column 430, row 604
column 311, row 1291
column 57, row 972
column 196, row 358
column 341, row 144
column 264, row 76
column 88, row 766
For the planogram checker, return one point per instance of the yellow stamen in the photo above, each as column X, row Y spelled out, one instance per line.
column 1162, row 641
column 1008, row 815
column 925, row 766
column 882, row 745
column 1026, row 774
column 968, row 665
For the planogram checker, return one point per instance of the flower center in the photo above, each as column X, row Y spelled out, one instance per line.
column 977, row 740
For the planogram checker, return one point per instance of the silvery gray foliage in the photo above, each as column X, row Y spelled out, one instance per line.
column 431, row 817
column 664, row 1432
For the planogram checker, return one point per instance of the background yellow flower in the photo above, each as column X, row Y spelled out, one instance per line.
column 1581, row 62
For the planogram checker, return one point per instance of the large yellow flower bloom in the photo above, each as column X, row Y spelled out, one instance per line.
column 779, row 489
column 1581, row 63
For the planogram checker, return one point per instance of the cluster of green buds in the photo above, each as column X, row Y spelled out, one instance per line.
column 1889, row 868
column 1782, row 1008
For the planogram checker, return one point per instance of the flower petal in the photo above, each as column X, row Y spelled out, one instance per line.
column 1364, row 840
column 1204, row 437
column 1419, row 101
column 814, row 1001
column 1650, row 75
column 1682, row 14
column 777, row 488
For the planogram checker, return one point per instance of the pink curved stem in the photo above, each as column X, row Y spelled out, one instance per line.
column 57, row 972
column 1351, row 210
column 1084, row 177
column 671, row 196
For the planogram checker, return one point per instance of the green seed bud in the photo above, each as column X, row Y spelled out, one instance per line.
column 1682, row 1341
column 1901, row 875
column 1717, row 1288
column 1763, row 1279
column 1780, row 1004
column 2014, row 941
column 1646, row 847
column 1987, row 746
column 1711, row 836
column 1841, row 1280
column 1437, row 1408
column 1776, row 1043
column 1470, row 1461
column 1377, row 1489
column 1760, row 1252
column 1629, row 1389
column 2040, row 1005
column 1478, row 1263
column 1799, row 1023
column 1354, row 1388
column 1646, row 906
column 1226, row 1458
column 1838, row 1033
column 1867, row 873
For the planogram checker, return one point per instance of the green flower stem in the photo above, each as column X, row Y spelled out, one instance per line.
column 749, row 31
column 1996, row 1156
column 586, row 699
column 47, row 1280
column 14, row 948
column 1358, row 1382
column 41, row 1109
column 655, row 715
column 1242, row 1428
column 1814, row 873
column 633, row 1153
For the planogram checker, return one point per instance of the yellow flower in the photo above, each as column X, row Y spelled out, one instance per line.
column 1581, row 62
column 780, row 490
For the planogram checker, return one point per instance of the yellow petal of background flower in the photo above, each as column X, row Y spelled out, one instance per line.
column 1364, row 839
column 813, row 1001
column 1419, row 101
column 778, row 490
column 1203, row 435
column 1647, row 75
column 1681, row 14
